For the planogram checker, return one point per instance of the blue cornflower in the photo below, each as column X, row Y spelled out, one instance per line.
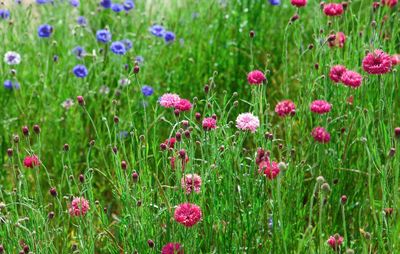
column 81, row 21
column 147, row 90
column 103, row 36
column 275, row 2
column 129, row 5
column 80, row 71
column 118, row 48
column 117, row 7
column 45, row 31
column 55, row 58
column 106, row 3
column 79, row 52
column 4, row 14
column 157, row 30
column 41, row 1
column 169, row 36
column 123, row 134
column 74, row 3
column 139, row 59
column 8, row 84
column 128, row 44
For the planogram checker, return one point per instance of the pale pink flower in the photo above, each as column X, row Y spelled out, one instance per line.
column 169, row 100
column 191, row 182
column 247, row 122
column 79, row 207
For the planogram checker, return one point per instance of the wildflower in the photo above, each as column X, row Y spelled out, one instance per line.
column 157, row 30
column 396, row 59
column 127, row 43
column 68, row 103
column 351, row 79
column 79, row 207
column 183, row 105
column 188, row 214
column 298, row 3
column 124, row 82
column 320, row 107
column 377, row 62
column 12, row 58
column 41, row 1
column 10, row 85
column 116, row 7
column 336, row 73
column 390, row 3
column 191, row 182
column 285, row 108
column 256, row 77
column 339, row 40
column 44, row 31
column 106, row 4
column 74, row 3
column 81, row 21
column 333, row 9
column 172, row 248
column 321, row 135
column 147, row 90
column 247, row 122
column 269, row 169
column 103, row 36
column 169, row 100
column 170, row 142
column 79, row 52
column 80, row 71
column 209, row 123
column 129, row 5
column 104, row 90
column 335, row 241
column 275, row 2
column 31, row 161
column 118, row 48
column 169, row 37
column 139, row 59
column 4, row 14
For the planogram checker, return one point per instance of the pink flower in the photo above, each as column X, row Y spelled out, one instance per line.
column 395, row 59
column 321, row 135
column 320, row 107
column 285, row 108
column 31, row 161
column 255, row 77
column 183, row 163
column 172, row 248
column 340, row 39
column 333, row 9
column 183, row 105
column 170, row 142
column 79, row 207
column 336, row 73
column 188, row 214
column 298, row 3
column 377, row 62
column 209, row 123
column 169, row 100
column 352, row 79
column 335, row 241
column 390, row 3
column 270, row 169
column 247, row 122
column 191, row 182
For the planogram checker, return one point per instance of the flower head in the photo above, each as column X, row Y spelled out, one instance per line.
column 147, row 90
column 81, row 21
column 339, row 40
column 191, row 182
column 103, row 36
column 157, row 30
column 247, row 122
column 285, row 108
column 390, row 3
column 4, row 14
column 256, row 77
column 209, row 123
column 275, row 2
column 395, row 59
column 320, row 107
column 172, row 248
column 79, row 52
column 269, row 168
column 188, row 214
column 129, row 5
column 31, row 161
column 183, row 105
column 128, row 44
column 335, row 241
column 68, row 103
column 79, row 207
column 351, row 79
column 10, row 85
column 336, row 73
column 44, row 31
column 377, row 62
column 169, row 36
column 106, row 4
column 118, row 48
column 298, row 3
column 12, row 58
column 169, row 100
column 333, row 9
column 80, row 71
column 321, row 135
column 117, row 7
column 74, row 3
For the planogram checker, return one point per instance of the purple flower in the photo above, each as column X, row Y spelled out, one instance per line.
column 117, row 7
column 275, row 2
column 79, row 52
column 128, row 44
column 139, row 59
column 118, row 48
column 147, row 90
column 41, row 1
column 74, row 3
column 157, row 30
column 129, row 5
column 103, row 36
column 4, row 14
column 81, row 21
column 45, row 31
column 8, row 84
column 169, row 37
column 80, row 71
column 106, row 4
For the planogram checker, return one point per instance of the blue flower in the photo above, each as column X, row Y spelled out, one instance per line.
column 147, row 90
column 81, row 21
column 8, row 84
column 79, row 52
column 4, row 14
column 103, row 36
column 123, row 134
column 169, row 36
column 118, row 48
column 117, row 7
column 157, row 30
column 41, row 1
column 275, row 2
column 45, row 31
column 106, row 3
column 129, row 5
column 139, row 59
column 74, row 3
column 80, row 71
column 128, row 44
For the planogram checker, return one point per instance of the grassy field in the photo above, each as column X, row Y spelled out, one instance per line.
column 140, row 146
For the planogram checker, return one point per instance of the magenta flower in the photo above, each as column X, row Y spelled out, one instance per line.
column 31, row 161
column 270, row 169
column 247, row 122
column 396, row 59
column 333, row 9
column 183, row 105
column 256, row 77
column 351, row 79
column 320, row 107
column 390, row 3
column 336, row 73
column 335, row 242
column 188, row 214
column 209, row 123
column 169, row 100
column 285, row 108
column 321, row 135
column 339, row 40
column 172, row 248
column 191, row 182
column 377, row 62
column 79, row 207
column 298, row 3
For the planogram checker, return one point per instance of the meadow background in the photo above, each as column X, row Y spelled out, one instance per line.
column 242, row 211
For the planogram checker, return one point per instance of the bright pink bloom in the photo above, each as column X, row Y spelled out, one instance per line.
column 255, row 77
column 321, row 135
column 285, row 108
column 335, row 241
column 352, row 79
column 191, row 182
column 209, row 123
column 270, row 169
column 390, row 3
column 336, row 73
column 320, row 107
column 183, row 105
column 340, row 39
column 172, row 248
column 333, row 9
column 31, row 161
column 377, row 62
column 170, row 142
column 395, row 59
column 298, row 3
column 79, row 207
column 247, row 122
column 169, row 100
column 188, row 214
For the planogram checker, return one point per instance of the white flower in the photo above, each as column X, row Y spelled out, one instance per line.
column 12, row 58
column 68, row 103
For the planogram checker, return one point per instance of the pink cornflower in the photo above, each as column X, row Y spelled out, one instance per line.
column 191, row 182
column 336, row 73
column 79, row 207
column 340, row 39
column 335, row 241
column 255, row 77
column 172, row 248
column 170, row 142
column 247, row 122
column 333, row 9
column 320, row 107
column 270, row 169
column 377, row 62
column 209, row 123
column 285, row 108
column 395, row 59
column 321, row 135
column 298, row 3
column 188, row 214
column 351, row 79
column 31, row 161
column 183, row 105
column 169, row 100
column 390, row 3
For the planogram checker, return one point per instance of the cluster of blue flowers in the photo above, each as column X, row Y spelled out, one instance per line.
column 127, row 5
column 159, row 31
